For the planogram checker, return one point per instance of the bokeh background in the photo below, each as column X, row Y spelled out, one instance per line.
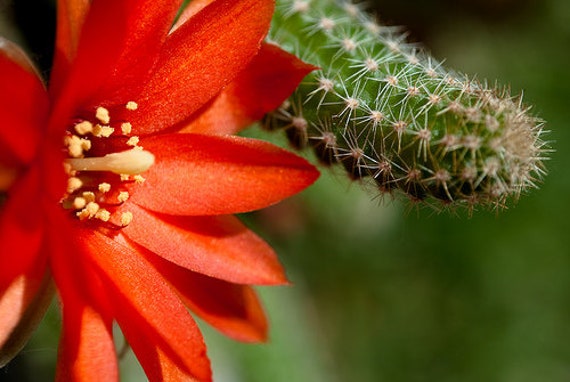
column 382, row 292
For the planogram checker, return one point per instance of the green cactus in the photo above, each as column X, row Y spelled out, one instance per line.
column 388, row 111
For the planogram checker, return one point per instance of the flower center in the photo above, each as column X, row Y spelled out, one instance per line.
column 104, row 161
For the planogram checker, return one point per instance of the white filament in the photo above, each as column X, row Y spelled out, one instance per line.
column 130, row 162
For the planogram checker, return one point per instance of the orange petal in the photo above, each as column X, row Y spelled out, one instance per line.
column 87, row 351
column 164, row 337
column 23, row 105
column 217, row 246
column 199, row 58
column 70, row 17
column 119, row 43
column 22, row 306
column 233, row 309
column 218, row 175
column 262, row 87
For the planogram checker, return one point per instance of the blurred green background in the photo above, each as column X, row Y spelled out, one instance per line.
column 382, row 292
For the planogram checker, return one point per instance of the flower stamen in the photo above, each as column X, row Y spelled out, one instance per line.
column 73, row 184
column 104, row 187
column 126, row 218
column 126, row 128
column 84, row 127
column 102, row 114
column 123, row 196
column 85, row 194
column 79, row 203
column 102, row 131
column 133, row 141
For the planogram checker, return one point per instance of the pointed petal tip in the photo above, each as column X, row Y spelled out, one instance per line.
column 220, row 247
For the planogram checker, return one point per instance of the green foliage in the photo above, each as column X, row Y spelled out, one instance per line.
column 388, row 111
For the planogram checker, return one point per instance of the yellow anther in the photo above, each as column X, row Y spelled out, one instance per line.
column 73, row 184
column 104, row 187
column 102, row 131
column 133, row 141
column 125, row 177
column 85, row 144
column 83, row 214
column 75, row 150
column 88, row 196
column 76, row 146
column 84, row 127
column 123, row 196
column 139, row 179
column 126, row 218
column 92, row 208
column 68, row 139
column 132, row 105
column 126, row 128
column 103, row 215
column 79, row 203
column 102, row 115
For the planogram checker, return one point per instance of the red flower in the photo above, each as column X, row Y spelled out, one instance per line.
column 131, row 217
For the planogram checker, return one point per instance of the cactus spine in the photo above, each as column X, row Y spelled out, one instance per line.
column 388, row 111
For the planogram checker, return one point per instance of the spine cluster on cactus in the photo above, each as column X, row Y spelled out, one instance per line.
column 387, row 111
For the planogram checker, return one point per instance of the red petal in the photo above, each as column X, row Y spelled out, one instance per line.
column 21, row 233
column 233, row 309
column 199, row 58
column 218, row 175
column 119, row 43
column 23, row 105
column 154, row 321
column 262, row 87
column 217, row 246
column 76, row 278
column 87, row 351
column 22, row 306
column 70, row 17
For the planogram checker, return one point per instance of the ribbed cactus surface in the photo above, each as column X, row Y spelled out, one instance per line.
column 387, row 111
